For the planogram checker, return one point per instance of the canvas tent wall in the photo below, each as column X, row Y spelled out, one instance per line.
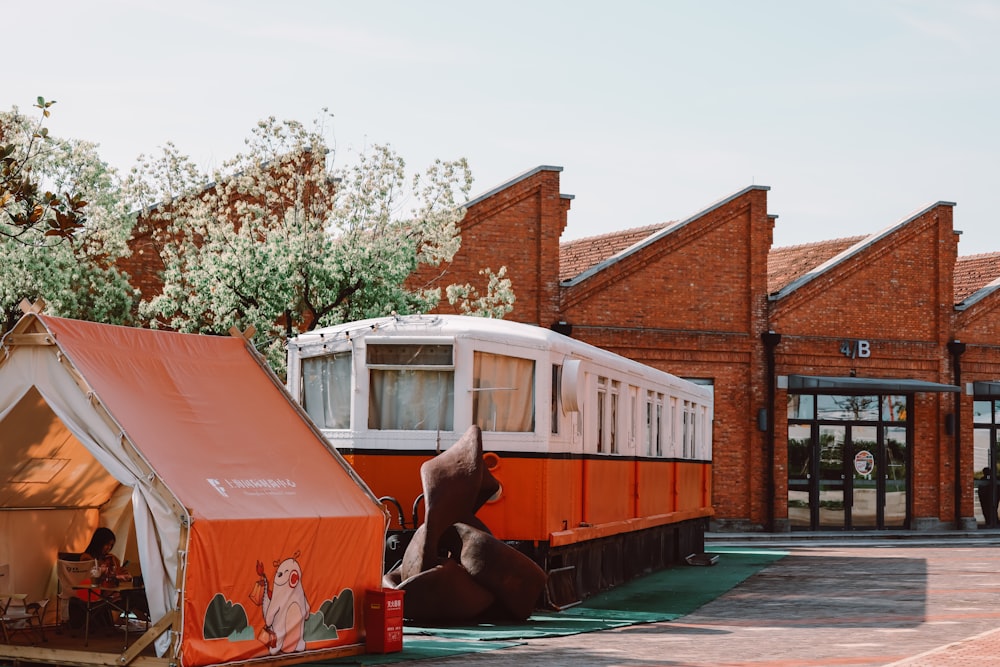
column 222, row 474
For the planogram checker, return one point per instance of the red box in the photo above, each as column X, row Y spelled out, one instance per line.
column 384, row 621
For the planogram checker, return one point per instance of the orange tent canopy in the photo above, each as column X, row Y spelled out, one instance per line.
column 222, row 474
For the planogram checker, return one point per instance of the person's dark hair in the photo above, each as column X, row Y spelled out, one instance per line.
column 101, row 537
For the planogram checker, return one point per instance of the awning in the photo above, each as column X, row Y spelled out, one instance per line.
column 986, row 388
column 856, row 385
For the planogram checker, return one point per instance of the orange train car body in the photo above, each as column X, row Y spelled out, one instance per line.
column 604, row 463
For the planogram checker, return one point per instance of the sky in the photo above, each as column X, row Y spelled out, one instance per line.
column 856, row 114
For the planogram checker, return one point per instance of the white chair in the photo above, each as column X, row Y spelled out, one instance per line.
column 17, row 615
column 70, row 573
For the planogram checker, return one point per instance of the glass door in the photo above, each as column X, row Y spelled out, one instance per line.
column 864, row 487
column 851, row 484
column 832, row 482
column 894, row 445
column 801, row 509
column 984, row 445
column 848, row 461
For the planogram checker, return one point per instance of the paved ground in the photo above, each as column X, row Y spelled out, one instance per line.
column 911, row 602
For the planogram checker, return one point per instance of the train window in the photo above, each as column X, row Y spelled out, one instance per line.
column 687, row 437
column 661, row 432
column 556, row 393
column 656, row 429
column 503, row 392
column 613, row 422
column 601, row 393
column 409, row 355
column 649, row 425
column 630, row 415
column 409, row 388
column 326, row 389
column 673, row 421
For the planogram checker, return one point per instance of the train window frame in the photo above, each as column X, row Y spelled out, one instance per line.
column 424, row 364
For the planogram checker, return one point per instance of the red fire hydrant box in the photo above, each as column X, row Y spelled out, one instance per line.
column 384, row 621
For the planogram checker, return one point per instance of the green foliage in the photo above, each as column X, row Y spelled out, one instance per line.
column 59, row 247
column 281, row 239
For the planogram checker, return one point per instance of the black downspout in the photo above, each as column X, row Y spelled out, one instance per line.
column 771, row 340
column 957, row 348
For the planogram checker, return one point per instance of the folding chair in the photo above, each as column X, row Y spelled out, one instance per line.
column 16, row 615
column 71, row 572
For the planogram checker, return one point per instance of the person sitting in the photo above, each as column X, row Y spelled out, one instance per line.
column 110, row 572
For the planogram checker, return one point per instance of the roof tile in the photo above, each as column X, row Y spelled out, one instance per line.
column 974, row 272
column 578, row 255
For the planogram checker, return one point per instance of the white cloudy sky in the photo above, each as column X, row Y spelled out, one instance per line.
column 855, row 113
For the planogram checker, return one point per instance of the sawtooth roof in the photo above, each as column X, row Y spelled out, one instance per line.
column 975, row 275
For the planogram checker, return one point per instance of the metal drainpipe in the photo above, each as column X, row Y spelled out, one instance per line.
column 771, row 340
column 957, row 348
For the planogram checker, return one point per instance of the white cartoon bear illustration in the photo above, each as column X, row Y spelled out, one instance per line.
column 285, row 607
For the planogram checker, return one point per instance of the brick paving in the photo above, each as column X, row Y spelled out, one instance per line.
column 850, row 603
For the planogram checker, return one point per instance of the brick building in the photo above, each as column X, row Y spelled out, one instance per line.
column 855, row 379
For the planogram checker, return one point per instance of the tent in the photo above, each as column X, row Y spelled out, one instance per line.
column 190, row 448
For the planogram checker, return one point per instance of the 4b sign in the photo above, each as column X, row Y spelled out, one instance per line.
column 856, row 349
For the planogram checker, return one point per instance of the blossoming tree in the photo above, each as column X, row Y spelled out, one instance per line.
column 283, row 242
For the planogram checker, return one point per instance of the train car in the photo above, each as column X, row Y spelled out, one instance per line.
column 604, row 463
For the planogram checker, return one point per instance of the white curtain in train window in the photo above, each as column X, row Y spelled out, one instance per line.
column 503, row 397
column 326, row 389
column 414, row 400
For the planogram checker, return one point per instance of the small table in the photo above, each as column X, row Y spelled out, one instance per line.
column 101, row 594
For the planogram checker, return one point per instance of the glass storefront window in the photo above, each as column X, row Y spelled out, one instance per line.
column 894, row 408
column 801, row 406
column 986, row 412
column 847, row 408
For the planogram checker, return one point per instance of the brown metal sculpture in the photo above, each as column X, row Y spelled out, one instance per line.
column 453, row 569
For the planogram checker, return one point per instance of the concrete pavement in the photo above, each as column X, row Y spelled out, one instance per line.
column 857, row 600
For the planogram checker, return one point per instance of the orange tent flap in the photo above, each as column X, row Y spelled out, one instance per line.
column 316, row 573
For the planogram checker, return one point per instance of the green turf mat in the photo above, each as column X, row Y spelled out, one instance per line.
column 661, row 596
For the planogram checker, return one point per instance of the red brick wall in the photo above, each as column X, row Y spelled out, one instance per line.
column 518, row 227
column 896, row 294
